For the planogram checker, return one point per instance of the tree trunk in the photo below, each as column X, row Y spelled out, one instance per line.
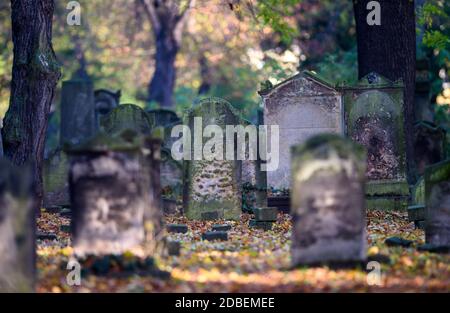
column 390, row 50
column 35, row 73
column 163, row 82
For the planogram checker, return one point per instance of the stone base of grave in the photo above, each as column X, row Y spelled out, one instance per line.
column 282, row 203
column 387, row 195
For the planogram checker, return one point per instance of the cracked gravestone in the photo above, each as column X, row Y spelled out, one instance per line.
column 329, row 218
column 437, row 200
column 302, row 106
column 109, row 195
column 211, row 185
column 17, row 229
column 374, row 119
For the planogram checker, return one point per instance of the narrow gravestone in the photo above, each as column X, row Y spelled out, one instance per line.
column 212, row 188
column 77, row 111
column 416, row 211
column 105, row 102
column 429, row 145
column 437, row 197
column 329, row 218
column 56, row 186
column 109, row 195
column 374, row 119
column 423, row 107
column 17, row 229
column 302, row 106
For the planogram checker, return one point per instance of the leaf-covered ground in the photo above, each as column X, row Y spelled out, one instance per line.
column 254, row 261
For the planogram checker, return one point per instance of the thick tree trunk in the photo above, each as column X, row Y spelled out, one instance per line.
column 34, row 76
column 390, row 50
column 163, row 82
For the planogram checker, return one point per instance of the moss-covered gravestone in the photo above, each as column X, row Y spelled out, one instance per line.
column 437, row 198
column 164, row 117
column 374, row 118
column 105, row 102
column 17, row 229
column 109, row 194
column 211, row 187
column 127, row 116
column 56, row 186
column 329, row 216
column 77, row 111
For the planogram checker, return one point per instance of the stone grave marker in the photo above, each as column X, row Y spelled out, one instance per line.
column 423, row 107
column 109, row 193
column 105, row 102
column 437, row 199
column 17, row 229
column 374, row 118
column 164, row 117
column 329, row 218
column 77, row 111
column 429, row 145
column 303, row 106
column 212, row 187
column 127, row 116
column 56, row 185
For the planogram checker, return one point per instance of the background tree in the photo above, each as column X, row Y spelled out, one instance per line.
column 35, row 73
column 168, row 19
column 390, row 50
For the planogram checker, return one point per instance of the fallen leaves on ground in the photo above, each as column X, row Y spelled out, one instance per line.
column 253, row 260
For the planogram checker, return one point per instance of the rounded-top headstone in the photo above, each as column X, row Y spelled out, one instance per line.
column 127, row 116
column 328, row 207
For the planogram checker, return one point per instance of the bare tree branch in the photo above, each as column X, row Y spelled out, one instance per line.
column 150, row 11
column 181, row 19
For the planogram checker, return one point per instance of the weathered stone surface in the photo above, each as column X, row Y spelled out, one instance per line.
column 429, row 145
column 17, row 229
column 416, row 212
column 423, row 107
column 127, row 116
column 109, row 196
column 374, row 118
column 437, row 199
column 215, row 235
column 171, row 176
column 212, row 185
column 164, row 117
column 211, row 216
column 169, row 206
column 329, row 218
column 56, row 185
column 398, row 242
column 177, row 228
column 265, row 214
column 173, row 247
column 77, row 112
column 302, row 106
column 218, row 227
column 260, row 224
column 105, row 102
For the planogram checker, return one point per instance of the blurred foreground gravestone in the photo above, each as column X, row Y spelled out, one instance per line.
column 437, row 198
column 17, row 229
column 109, row 190
column 374, row 119
column 105, row 102
column 329, row 218
column 212, row 187
column 302, row 106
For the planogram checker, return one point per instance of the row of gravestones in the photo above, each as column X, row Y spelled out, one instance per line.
column 370, row 113
column 111, row 195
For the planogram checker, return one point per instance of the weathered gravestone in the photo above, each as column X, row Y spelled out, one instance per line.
column 416, row 211
column 127, row 116
column 109, row 191
column 77, row 111
column 253, row 179
column 437, row 198
column 329, row 218
column 374, row 118
column 302, row 106
column 105, row 102
column 17, row 229
column 423, row 107
column 56, row 186
column 212, row 186
column 164, row 117
column 429, row 145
